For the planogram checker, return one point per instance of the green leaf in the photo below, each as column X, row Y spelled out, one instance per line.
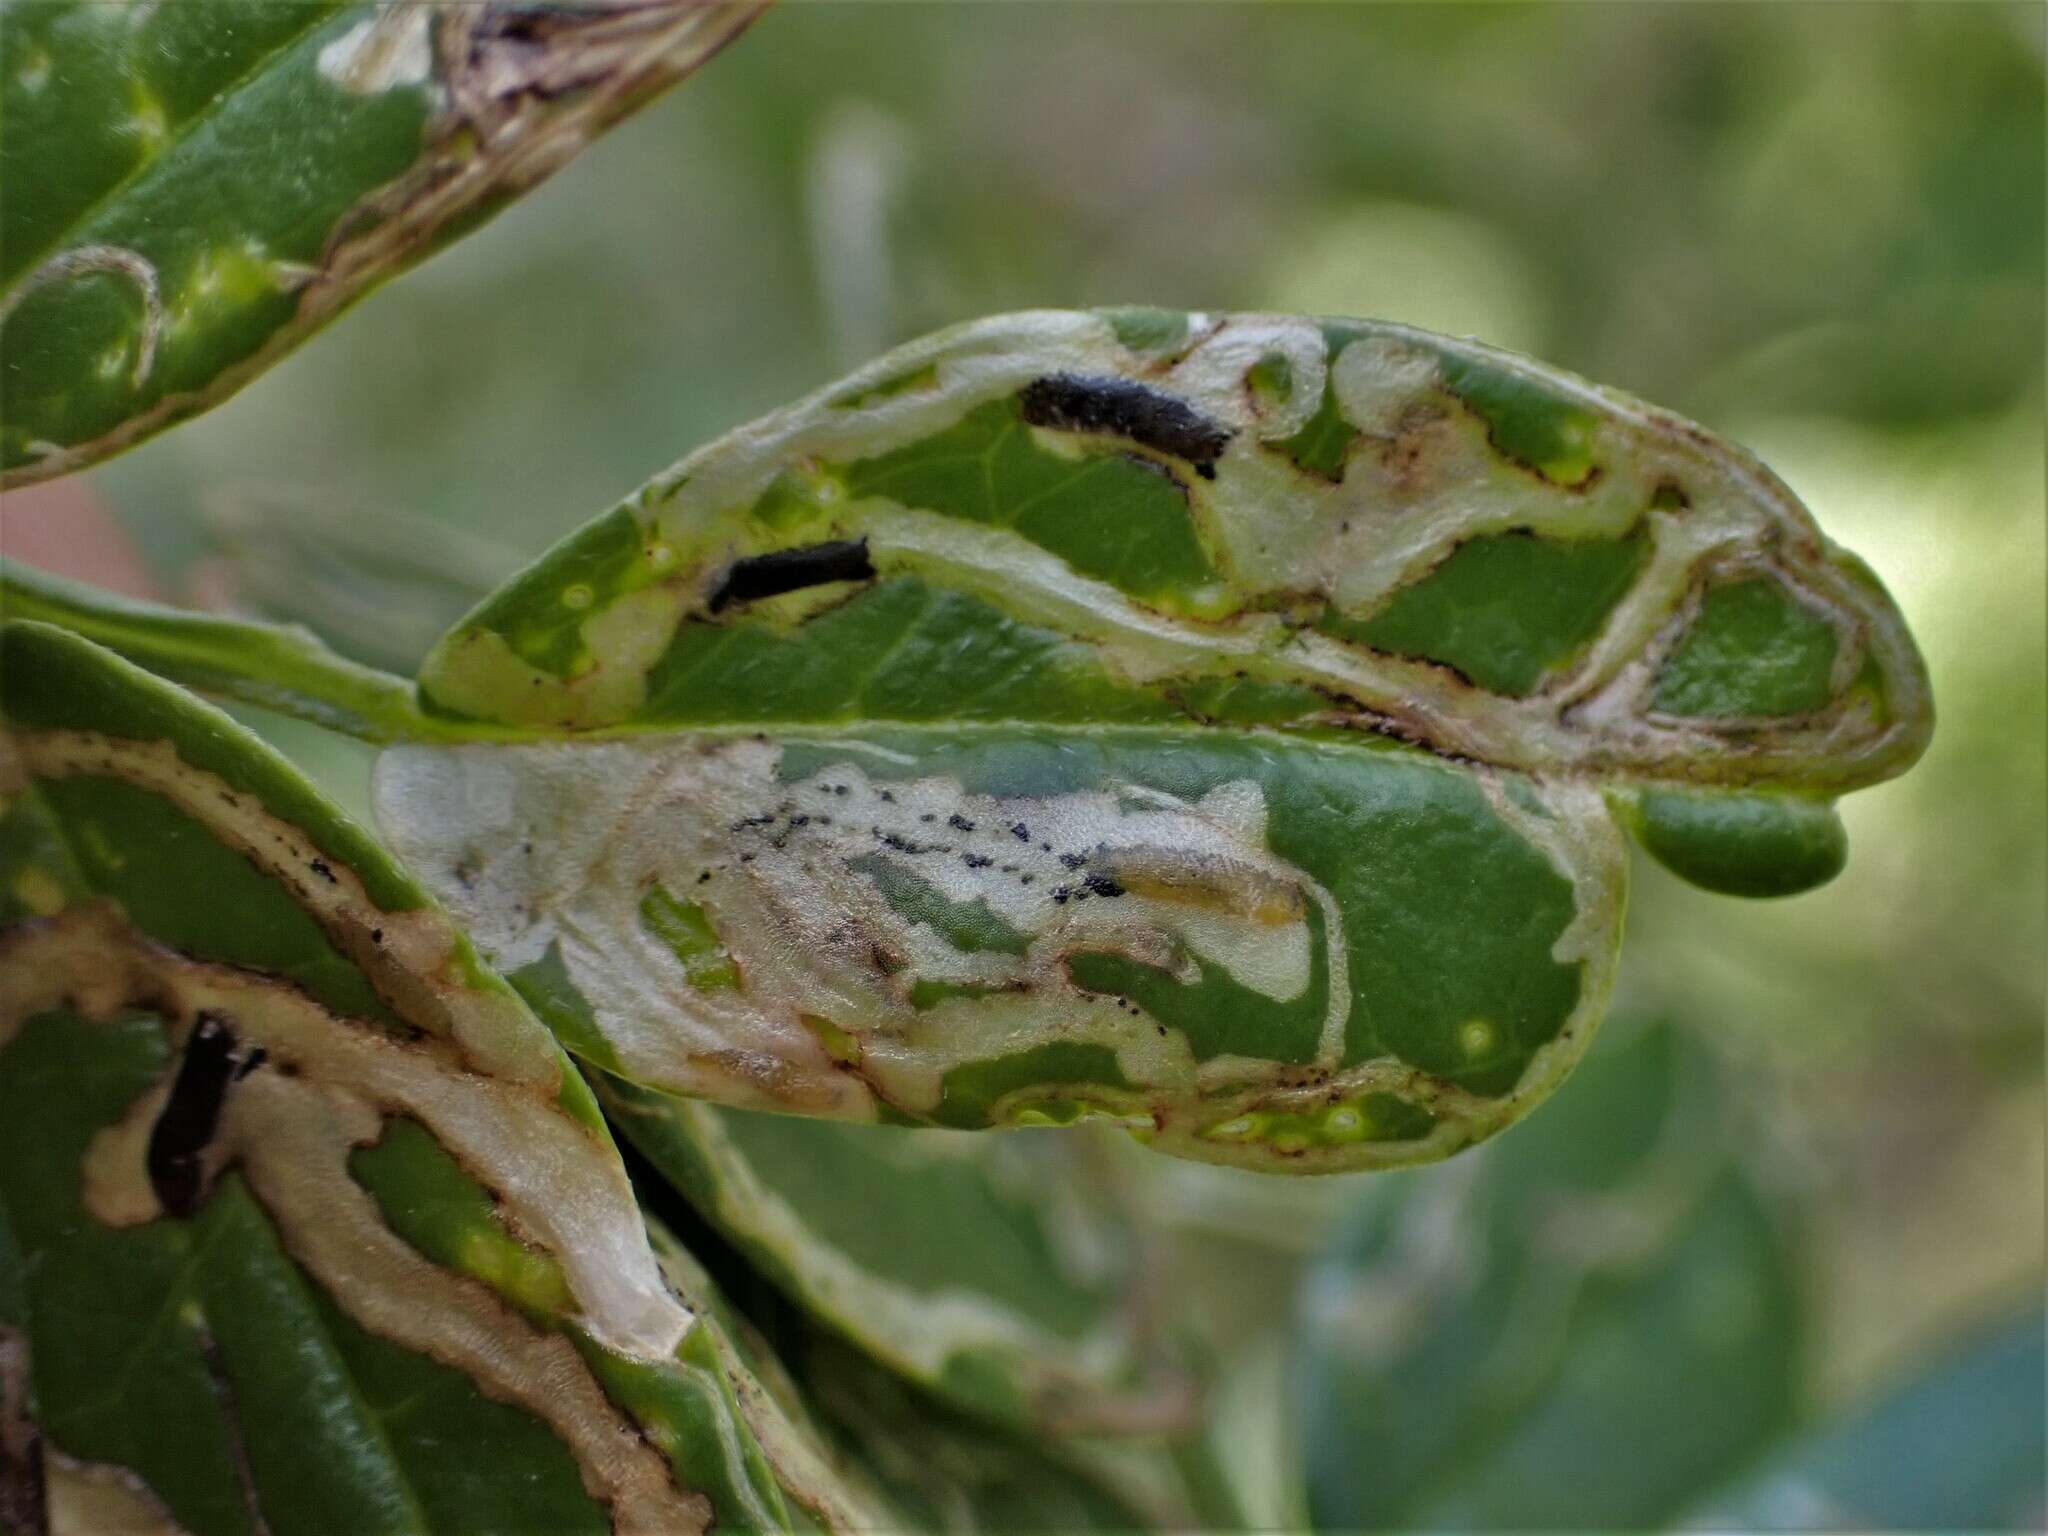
column 898, row 1458
column 187, row 190
column 1958, row 1447
column 948, row 1474
column 1031, row 727
column 1577, row 1330
column 984, row 1269
column 735, row 1420
column 306, row 1223
column 282, row 667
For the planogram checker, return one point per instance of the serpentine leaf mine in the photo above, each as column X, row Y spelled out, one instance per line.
column 1224, row 725
column 280, row 1156
column 189, row 190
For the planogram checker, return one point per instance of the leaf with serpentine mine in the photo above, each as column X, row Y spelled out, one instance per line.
column 1224, row 725
column 829, row 1415
column 306, row 1222
column 189, row 189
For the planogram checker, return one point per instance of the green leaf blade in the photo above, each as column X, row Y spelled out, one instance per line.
column 192, row 188
column 982, row 1269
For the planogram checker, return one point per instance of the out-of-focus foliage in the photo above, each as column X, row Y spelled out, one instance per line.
column 1962, row 1445
column 1578, row 1327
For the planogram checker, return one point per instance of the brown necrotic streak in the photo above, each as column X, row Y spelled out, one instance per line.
column 1078, row 403
column 791, row 570
column 191, row 1115
column 21, row 1444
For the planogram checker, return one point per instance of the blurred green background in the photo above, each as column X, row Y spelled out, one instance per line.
column 1818, row 229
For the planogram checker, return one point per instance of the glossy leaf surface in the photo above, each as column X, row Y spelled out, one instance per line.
column 276, row 666
column 1219, row 724
column 985, row 1269
column 1579, row 1329
column 309, row 1224
column 188, row 189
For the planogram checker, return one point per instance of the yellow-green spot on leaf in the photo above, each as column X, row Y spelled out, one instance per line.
column 1753, row 649
column 609, row 558
column 96, row 848
column 970, row 1094
column 1373, row 1117
column 531, row 1281
column 32, row 73
column 221, row 279
column 841, row 1045
column 1476, row 1037
column 38, row 892
column 1072, row 1110
column 686, row 931
column 577, row 595
column 147, row 120
column 795, row 500
column 1869, row 690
